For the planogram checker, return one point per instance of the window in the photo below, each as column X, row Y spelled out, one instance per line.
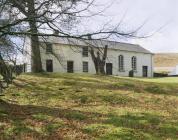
column 121, row 63
column 49, row 48
column 134, row 63
column 85, row 52
column 70, row 66
column 85, row 66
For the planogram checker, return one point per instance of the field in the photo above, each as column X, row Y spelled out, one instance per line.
column 166, row 59
column 86, row 107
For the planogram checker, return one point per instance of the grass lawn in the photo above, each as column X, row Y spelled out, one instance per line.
column 86, row 107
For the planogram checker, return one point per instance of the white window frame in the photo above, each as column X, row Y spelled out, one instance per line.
column 47, row 48
column 121, row 63
column 85, row 66
column 134, row 63
column 85, row 51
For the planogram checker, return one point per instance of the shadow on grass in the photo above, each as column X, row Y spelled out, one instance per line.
column 79, row 92
column 94, row 84
column 84, row 93
column 142, row 126
column 17, row 117
column 112, row 83
column 133, row 126
column 69, row 76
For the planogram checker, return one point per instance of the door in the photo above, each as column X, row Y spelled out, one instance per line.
column 49, row 65
column 70, row 66
column 109, row 68
column 145, row 71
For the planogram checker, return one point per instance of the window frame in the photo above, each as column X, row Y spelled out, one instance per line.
column 121, row 63
column 85, row 51
column 70, row 66
column 85, row 67
column 49, row 49
column 134, row 63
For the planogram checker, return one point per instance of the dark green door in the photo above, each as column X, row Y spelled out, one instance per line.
column 49, row 65
column 145, row 71
column 109, row 68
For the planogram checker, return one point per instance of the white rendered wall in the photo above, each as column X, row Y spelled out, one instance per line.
column 71, row 53
column 27, row 54
column 174, row 72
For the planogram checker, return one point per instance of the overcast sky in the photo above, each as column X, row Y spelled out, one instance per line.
column 157, row 13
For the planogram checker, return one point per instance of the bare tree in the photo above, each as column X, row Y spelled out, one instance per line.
column 36, row 14
column 40, row 18
column 99, row 61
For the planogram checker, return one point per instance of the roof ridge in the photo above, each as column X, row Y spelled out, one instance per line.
column 121, row 42
column 113, row 44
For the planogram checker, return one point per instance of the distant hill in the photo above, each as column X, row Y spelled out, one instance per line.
column 166, row 59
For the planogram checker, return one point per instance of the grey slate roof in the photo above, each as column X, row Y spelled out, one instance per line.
column 98, row 43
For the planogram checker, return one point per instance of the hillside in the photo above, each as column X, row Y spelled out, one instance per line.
column 166, row 59
column 87, row 107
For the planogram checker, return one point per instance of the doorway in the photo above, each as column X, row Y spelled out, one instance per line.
column 49, row 65
column 109, row 68
column 70, row 66
column 145, row 71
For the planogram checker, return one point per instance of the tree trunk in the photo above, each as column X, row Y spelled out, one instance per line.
column 98, row 62
column 35, row 50
column 95, row 61
column 35, row 45
column 5, row 71
column 102, row 70
column 103, row 61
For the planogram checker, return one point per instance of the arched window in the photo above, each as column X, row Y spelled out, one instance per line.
column 134, row 63
column 121, row 63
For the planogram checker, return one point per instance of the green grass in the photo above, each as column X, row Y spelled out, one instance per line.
column 172, row 80
column 75, row 107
